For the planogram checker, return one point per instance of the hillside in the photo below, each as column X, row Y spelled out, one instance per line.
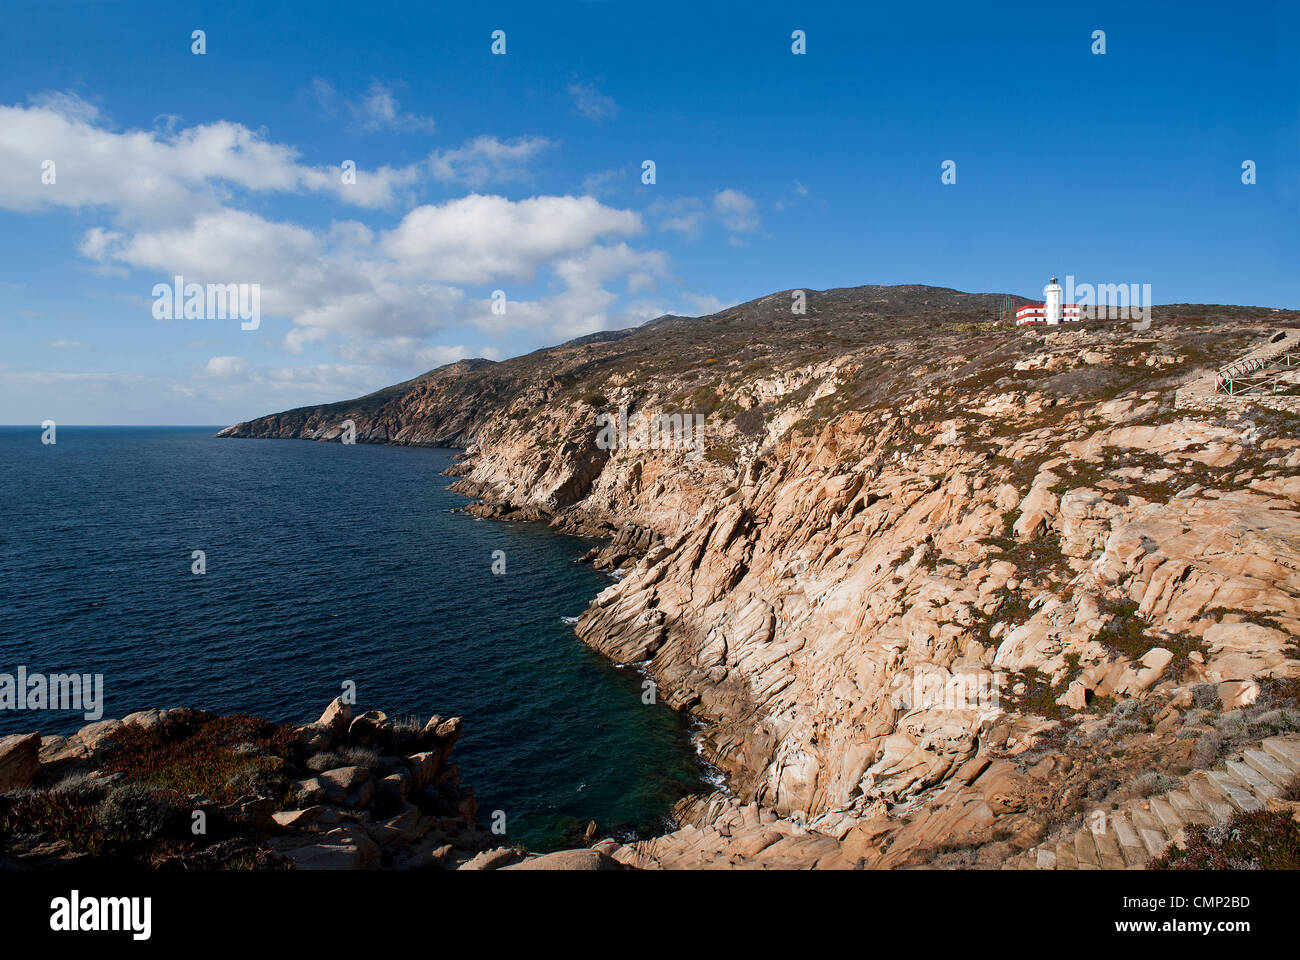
column 941, row 587
column 448, row 406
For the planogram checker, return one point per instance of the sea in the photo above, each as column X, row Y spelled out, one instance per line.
column 269, row 576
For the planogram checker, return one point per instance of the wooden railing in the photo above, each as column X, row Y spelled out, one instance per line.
column 1261, row 370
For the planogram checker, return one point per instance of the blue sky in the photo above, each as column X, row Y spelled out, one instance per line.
column 522, row 173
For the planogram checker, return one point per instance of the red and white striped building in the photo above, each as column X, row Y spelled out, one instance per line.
column 1037, row 313
column 1051, row 311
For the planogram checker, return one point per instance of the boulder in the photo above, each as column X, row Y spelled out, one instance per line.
column 399, row 830
column 423, row 767
column 1290, row 807
column 862, row 840
column 54, row 748
column 349, row 786
column 308, row 792
column 1238, row 693
column 569, row 860
column 1037, row 511
column 254, row 810
column 393, row 788
column 143, row 718
column 449, row 732
column 94, row 737
column 492, row 859
column 430, row 852
column 363, row 730
column 19, row 760
column 297, row 819
column 344, row 848
column 315, row 737
column 1153, row 663
column 336, row 717
column 1075, row 696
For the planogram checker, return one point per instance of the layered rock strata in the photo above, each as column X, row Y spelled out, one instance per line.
column 892, row 569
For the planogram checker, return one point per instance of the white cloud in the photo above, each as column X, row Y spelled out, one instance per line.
column 100, row 244
column 168, row 200
column 487, row 160
column 159, row 176
column 798, row 192
column 591, row 103
column 478, row 239
column 734, row 210
column 685, row 215
column 68, row 104
column 325, row 94
column 226, row 366
column 228, row 246
column 384, row 294
column 230, row 378
column 59, row 378
column 332, row 281
column 703, row 305
column 586, row 304
column 407, row 352
column 604, row 182
column 596, row 266
column 379, row 110
column 738, row 212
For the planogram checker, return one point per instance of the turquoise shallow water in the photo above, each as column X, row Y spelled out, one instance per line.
column 325, row 563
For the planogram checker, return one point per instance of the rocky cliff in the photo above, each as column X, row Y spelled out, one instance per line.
column 922, row 573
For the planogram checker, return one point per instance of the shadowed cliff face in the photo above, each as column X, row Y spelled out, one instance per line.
column 908, row 542
column 439, row 408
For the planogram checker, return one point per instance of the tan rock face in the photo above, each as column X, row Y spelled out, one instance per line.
column 882, row 558
column 795, row 593
column 19, row 760
column 1241, row 651
column 1037, row 510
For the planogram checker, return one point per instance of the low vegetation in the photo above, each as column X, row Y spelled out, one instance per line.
column 152, row 780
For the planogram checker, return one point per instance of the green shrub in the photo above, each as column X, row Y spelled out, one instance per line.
column 202, row 754
column 325, row 760
column 367, row 757
column 1262, row 840
column 133, row 812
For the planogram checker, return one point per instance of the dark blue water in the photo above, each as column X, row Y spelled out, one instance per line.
column 325, row 563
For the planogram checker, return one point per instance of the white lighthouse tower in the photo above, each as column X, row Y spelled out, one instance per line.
column 1052, row 302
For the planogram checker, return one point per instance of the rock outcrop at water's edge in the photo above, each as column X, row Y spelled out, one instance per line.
column 189, row 789
column 942, row 588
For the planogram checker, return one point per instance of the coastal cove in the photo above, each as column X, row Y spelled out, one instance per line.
column 325, row 563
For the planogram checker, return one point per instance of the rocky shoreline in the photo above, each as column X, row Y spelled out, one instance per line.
column 188, row 789
column 869, row 534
